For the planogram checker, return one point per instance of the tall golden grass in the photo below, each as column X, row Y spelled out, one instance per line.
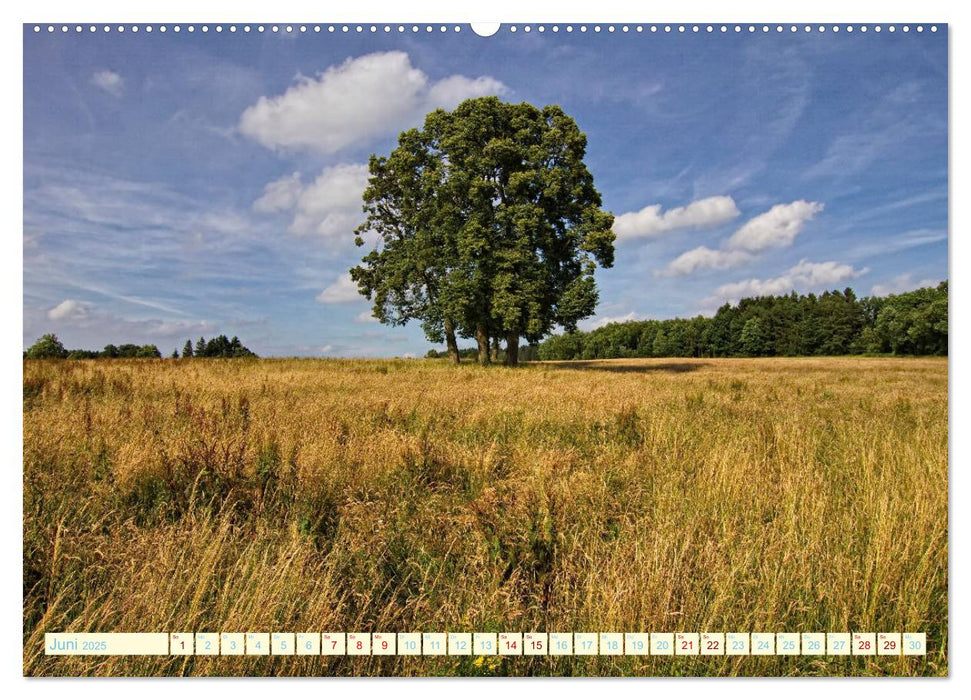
column 632, row 495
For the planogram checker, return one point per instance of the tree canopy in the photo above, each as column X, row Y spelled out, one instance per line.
column 47, row 347
column 488, row 226
column 220, row 346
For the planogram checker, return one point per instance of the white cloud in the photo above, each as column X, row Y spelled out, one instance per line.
column 326, row 349
column 365, row 317
column 650, row 222
column 357, row 101
column 902, row 283
column 109, row 81
column 702, row 258
column 451, row 91
column 330, row 206
column 805, row 276
column 629, row 316
column 69, row 309
column 342, row 291
column 776, row 228
column 599, row 322
column 280, row 195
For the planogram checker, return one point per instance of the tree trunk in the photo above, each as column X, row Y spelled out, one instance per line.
column 512, row 350
column 453, row 346
column 482, row 340
column 495, row 349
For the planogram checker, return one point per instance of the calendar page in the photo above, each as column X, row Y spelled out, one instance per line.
column 516, row 349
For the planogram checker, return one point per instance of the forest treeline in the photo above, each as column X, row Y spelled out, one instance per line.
column 50, row 347
column 833, row 323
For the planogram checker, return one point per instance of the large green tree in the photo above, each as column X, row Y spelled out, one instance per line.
column 489, row 226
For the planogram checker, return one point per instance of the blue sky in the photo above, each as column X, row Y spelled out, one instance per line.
column 178, row 185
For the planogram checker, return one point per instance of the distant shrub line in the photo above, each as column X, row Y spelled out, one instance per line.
column 833, row 323
column 527, row 353
column 49, row 347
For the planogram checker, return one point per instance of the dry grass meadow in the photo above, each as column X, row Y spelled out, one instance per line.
column 411, row 495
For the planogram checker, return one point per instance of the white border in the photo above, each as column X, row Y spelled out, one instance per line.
column 602, row 11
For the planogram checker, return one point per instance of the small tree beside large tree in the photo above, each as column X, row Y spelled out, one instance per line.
column 488, row 226
column 47, row 347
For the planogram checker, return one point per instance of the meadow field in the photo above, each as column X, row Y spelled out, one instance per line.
column 774, row 495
